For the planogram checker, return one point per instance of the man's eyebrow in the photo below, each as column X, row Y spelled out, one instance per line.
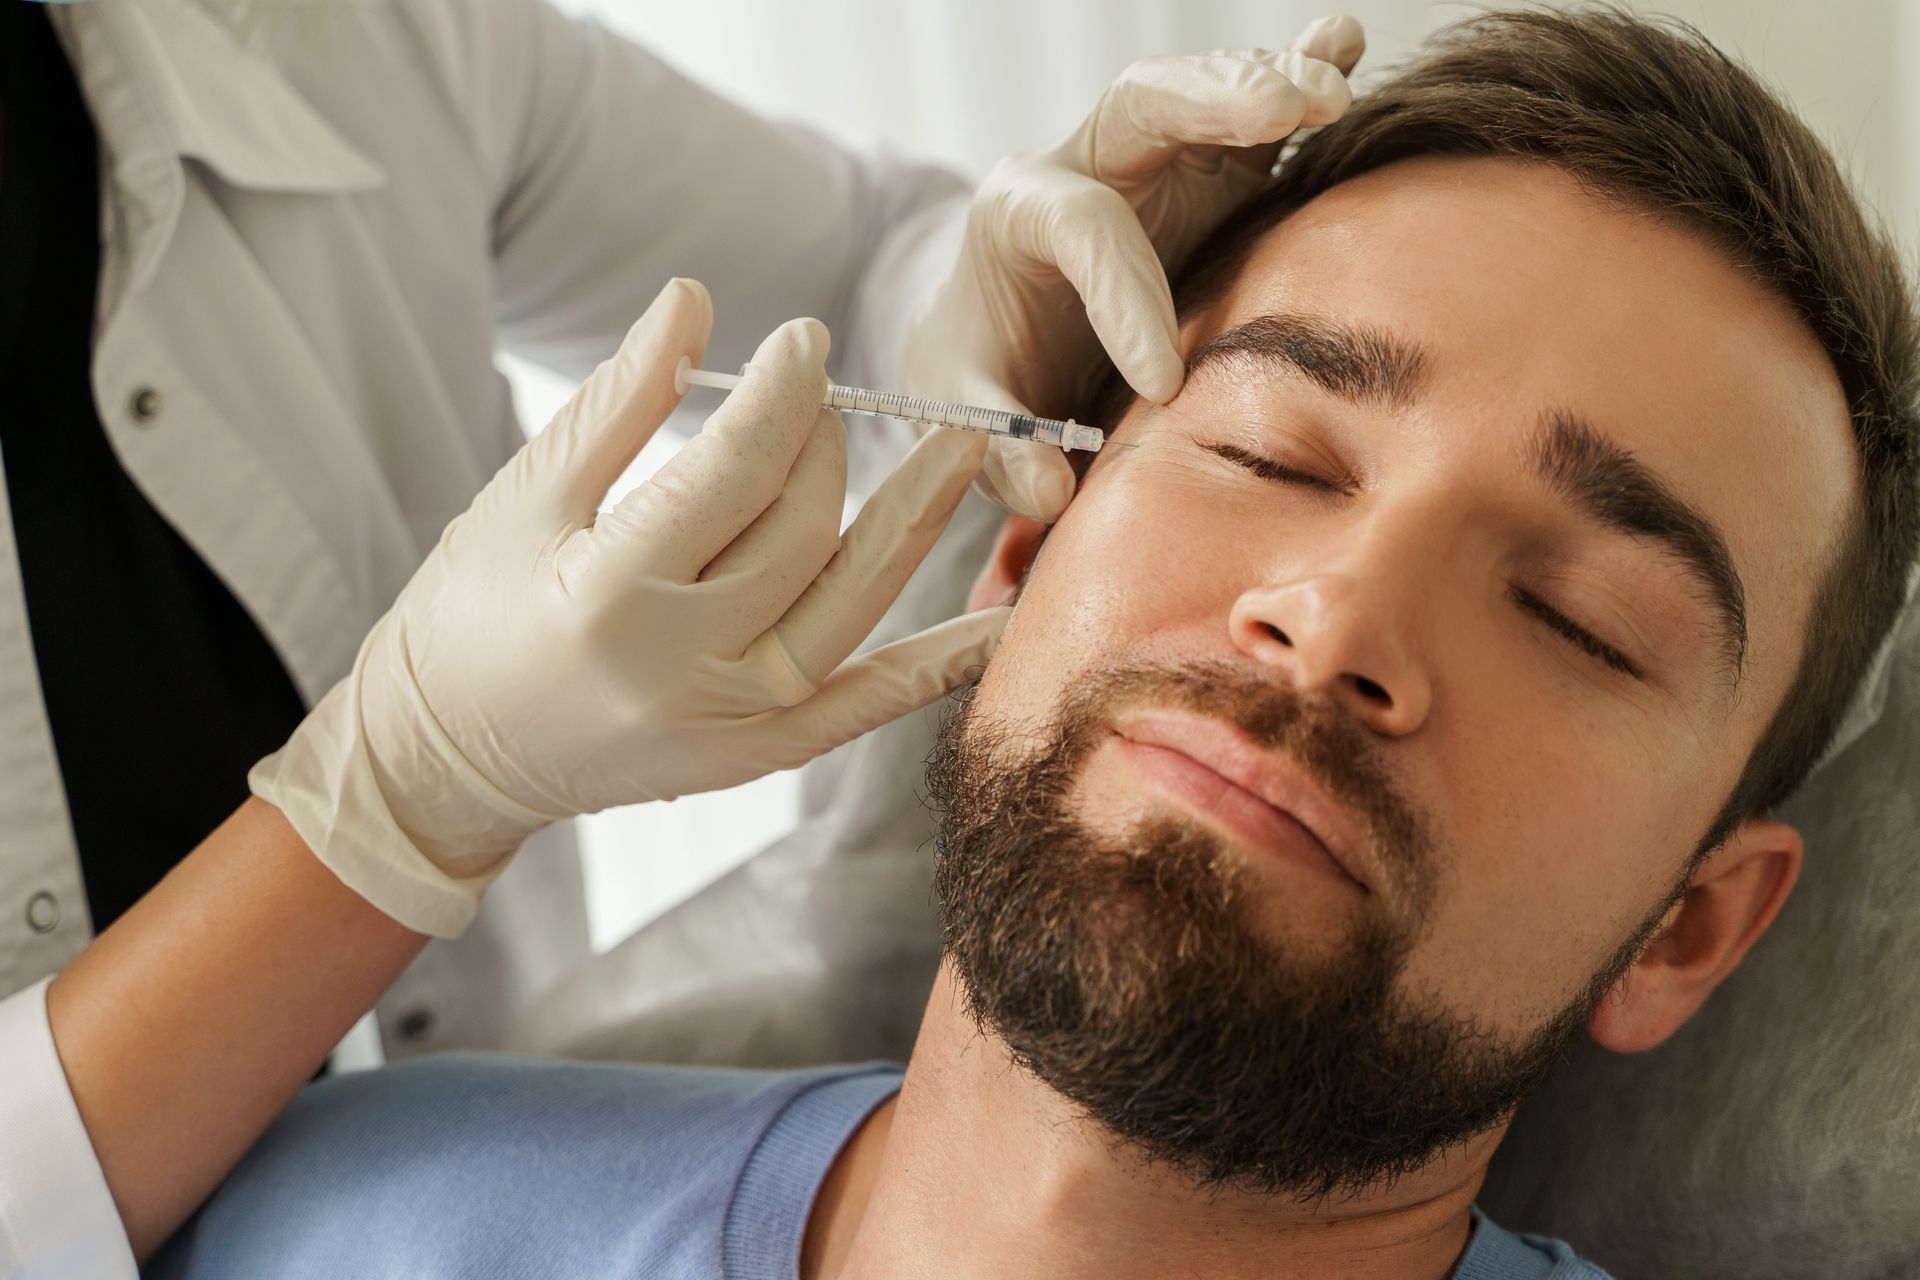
column 1611, row 487
column 1355, row 362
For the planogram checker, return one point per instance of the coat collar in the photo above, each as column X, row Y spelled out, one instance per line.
column 166, row 81
column 168, row 77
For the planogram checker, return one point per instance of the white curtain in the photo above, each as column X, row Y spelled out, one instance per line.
column 966, row 81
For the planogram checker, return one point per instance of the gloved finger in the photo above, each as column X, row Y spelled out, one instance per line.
column 886, row 684
column 1324, row 85
column 1335, row 39
column 674, row 525
column 1330, row 94
column 1159, row 105
column 780, row 554
column 1322, row 107
column 1032, row 479
column 880, row 551
column 615, row 412
column 1094, row 238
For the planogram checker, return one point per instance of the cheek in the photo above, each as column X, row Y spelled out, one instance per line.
column 1118, row 581
column 1557, row 847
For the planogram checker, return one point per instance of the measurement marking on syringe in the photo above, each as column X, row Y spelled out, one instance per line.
column 891, row 404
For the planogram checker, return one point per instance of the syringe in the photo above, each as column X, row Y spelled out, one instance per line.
column 889, row 404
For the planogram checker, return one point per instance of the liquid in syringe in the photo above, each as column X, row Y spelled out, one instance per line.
column 891, row 404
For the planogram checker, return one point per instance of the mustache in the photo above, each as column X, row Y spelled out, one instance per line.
column 1333, row 750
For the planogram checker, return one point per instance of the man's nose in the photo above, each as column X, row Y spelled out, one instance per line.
column 1332, row 635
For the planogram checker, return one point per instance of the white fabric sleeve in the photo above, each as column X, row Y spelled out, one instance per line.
column 57, row 1219
column 918, row 254
column 610, row 172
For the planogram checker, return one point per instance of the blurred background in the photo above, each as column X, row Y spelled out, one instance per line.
column 963, row 82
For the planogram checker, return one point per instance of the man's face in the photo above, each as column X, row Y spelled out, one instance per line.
column 1479, row 547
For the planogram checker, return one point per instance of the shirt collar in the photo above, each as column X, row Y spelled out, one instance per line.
column 167, row 76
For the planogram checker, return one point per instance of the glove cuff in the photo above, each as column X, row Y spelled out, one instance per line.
column 325, row 782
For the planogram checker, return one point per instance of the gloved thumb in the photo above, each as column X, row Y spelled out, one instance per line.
column 875, row 688
column 615, row 412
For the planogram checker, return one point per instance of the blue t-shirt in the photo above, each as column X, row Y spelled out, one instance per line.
column 496, row 1168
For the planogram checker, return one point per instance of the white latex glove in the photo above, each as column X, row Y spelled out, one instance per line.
column 1171, row 148
column 547, row 660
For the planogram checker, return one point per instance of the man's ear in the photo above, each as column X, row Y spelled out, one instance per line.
column 1734, row 896
column 1013, row 552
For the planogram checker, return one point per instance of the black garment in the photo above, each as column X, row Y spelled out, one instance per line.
column 161, row 690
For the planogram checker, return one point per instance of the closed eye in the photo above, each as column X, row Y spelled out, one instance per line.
column 1574, row 633
column 1559, row 623
column 1270, row 469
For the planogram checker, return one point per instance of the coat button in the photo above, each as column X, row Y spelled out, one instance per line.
column 415, row 1023
column 144, row 405
column 43, row 912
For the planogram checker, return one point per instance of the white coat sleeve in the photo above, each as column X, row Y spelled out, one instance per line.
column 57, row 1218
column 611, row 172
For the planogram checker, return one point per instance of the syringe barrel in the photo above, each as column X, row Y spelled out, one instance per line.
column 999, row 422
column 889, row 404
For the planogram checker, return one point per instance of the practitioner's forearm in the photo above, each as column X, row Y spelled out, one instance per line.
column 189, row 1024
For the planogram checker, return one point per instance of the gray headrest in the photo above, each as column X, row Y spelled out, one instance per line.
column 1870, row 699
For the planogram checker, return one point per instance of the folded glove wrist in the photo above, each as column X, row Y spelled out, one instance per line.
column 327, row 784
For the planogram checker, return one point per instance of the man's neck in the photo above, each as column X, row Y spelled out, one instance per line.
column 980, row 1171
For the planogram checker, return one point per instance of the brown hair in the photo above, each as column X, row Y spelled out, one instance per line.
column 1653, row 113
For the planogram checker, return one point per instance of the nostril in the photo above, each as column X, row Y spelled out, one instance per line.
column 1277, row 634
column 1371, row 690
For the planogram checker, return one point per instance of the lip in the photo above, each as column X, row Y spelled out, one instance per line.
column 1270, row 777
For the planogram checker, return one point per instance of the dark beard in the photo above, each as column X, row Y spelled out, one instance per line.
column 1132, row 978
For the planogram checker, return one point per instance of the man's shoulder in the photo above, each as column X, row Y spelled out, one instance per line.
column 639, row 1091
column 1494, row 1253
column 458, row 1101
column 465, row 1164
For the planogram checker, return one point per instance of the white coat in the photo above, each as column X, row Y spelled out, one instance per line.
column 318, row 226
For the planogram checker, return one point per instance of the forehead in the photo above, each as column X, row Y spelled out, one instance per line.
column 1526, row 292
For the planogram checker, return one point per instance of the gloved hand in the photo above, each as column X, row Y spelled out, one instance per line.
column 1171, row 148
column 547, row 661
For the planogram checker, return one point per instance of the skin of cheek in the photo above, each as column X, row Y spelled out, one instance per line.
column 1572, row 810
column 1545, row 869
column 1528, row 760
column 1087, row 605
